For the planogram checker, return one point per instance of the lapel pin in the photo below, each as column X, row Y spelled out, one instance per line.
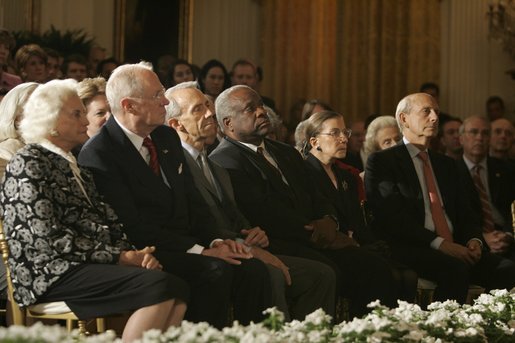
column 165, row 151
column 345, row 185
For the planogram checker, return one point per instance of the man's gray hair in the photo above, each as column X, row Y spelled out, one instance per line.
column 124, row 82
column 404, row 106
column 43, row 107
column 224, row 104
column 173, row 110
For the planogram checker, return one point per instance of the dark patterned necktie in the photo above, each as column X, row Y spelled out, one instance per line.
column 486, row 209
column 154, row 162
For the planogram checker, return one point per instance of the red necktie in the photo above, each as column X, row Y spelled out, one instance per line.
column 441, row 226
column 486, row 209
column 154, row 162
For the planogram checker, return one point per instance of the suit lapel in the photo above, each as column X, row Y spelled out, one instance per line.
column 494, row 179
column 197, row 173
column 405, row 163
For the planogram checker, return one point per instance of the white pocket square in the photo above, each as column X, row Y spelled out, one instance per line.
column 179, row 170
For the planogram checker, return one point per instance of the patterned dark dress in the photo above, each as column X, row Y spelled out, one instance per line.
column 65, row 242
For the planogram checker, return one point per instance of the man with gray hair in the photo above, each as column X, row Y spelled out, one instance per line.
column 491, row 184
column 139, row 167
column 312, row 284
column 419, row 206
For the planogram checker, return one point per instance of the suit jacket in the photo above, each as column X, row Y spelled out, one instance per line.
column 501, row 182
column 228, row 219
column 395, row 197
column 171, row 218
column 345, row 199
column 50, row 225
column 264, row 199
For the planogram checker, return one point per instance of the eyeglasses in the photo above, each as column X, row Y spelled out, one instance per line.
column 338, row 133
column 477, row 132
column 160, row 95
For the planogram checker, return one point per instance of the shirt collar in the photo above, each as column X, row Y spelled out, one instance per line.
column 413, row 150
column 254, row 147
column 471, row 164
column 191, row 150
column 136, row 140
column 56, row 150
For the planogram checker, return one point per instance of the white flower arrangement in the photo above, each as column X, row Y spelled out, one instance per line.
column 490, row 319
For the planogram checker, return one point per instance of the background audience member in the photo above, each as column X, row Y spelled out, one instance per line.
column 448, row 131
column 244, row 72
column 66, row 244
column 92, row 93
column 492, row 186
column 96, row 54
column 54, row 61
column 495, row 108
column 181, row 72
column 11, row 113
column 313, row 106
column 382, row 133
column 31, row 63
column 106, row 67
column 213, row 78
column 501, row 139
column 355, row 152
column 7, row 44
column 75, row 67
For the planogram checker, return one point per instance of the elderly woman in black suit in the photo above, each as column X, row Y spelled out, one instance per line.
column 326, row 139
column 66, row 244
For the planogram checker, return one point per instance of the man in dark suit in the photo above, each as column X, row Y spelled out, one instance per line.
column 491, row 183
column 273, row 190
column 139, row 167
column 309, row 284
column 418, row 204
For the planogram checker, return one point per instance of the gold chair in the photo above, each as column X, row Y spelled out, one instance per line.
column 54, row 310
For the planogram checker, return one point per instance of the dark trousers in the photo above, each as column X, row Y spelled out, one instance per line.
column 214, row 283
column 454, row 276
column 362, row 276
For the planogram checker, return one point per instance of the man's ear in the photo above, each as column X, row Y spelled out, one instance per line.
column 126, row 104
column 174, row 123
column 227, row 123
column 402, row 118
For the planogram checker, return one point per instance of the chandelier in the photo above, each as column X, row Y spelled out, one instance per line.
column 501, row 22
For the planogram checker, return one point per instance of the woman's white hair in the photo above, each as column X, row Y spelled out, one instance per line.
column 43, row 108
column 11, row 109
column 377, row 124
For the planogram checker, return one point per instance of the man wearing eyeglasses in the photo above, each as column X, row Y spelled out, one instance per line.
column 491, row 184
column 421, row 208
column 273, row 191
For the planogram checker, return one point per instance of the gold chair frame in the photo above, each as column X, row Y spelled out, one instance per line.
column 20, row 315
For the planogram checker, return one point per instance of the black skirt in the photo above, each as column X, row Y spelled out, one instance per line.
column 98, row 290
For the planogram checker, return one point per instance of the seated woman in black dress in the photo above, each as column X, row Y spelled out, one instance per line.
column 325, row 142
column 65, row 243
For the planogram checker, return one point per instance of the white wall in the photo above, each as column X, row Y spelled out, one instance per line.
column 473, row 67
